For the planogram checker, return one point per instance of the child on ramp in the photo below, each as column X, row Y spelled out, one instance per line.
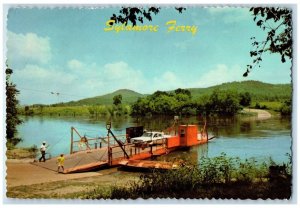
column 60, row 163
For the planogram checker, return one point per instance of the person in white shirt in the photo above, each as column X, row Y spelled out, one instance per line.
column 43, row 152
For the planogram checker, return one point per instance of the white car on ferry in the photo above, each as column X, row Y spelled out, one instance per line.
column 149, row 137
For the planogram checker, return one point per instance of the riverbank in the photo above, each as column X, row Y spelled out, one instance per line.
column 28, row 181
column 217, row 177
column 260, row 114
column 25, row 180
column 22, row 153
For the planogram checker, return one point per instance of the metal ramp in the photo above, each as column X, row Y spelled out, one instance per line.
column 79, row 161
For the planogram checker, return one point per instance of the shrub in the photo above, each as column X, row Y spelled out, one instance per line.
column 213, row 177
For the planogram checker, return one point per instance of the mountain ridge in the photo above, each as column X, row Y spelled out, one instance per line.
column 258, row 90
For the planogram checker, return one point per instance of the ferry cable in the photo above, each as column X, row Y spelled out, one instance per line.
column 49, row 92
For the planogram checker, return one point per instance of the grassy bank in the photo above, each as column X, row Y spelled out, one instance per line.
column 22, row 153
column 220, row 177
column 94, row 111
column 269, row 105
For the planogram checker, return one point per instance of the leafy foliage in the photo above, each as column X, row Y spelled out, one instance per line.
column 216, row 177
column 286, row 108
column 222, row 103
column 181, row 103
column 137, row 14
column 12, row 119
column 117, row 99
column 163, row 103
column 245, row 99
column 277, row 22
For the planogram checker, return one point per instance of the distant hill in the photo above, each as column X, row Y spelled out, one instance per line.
column 128, row 97
column 259, row 91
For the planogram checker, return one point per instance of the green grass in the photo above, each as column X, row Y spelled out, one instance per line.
column 270, row 105
column 57, row 111
column 96, row 110
column 21, row 153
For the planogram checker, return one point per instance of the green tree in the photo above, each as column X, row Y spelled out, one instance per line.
column 140, row 107
column 164, row 103
column 277, row 22
column 117, row 100
column 286, row 108
column 12, row 119
column 223, row 103
column 184, row 92
column 245, row 99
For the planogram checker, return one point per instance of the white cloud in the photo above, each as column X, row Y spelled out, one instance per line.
column 43, row 76
column 120, row 75
column 36, row 83
column 76, row 81
column 118, row 70
column 219, row 74
column 75, row 64
column 167, row 81
column 28, row 48
column 169, row 77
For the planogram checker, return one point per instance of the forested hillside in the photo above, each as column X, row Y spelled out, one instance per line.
column 259, row 91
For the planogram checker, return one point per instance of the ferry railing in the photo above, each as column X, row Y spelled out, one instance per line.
column 115, row 152
column 158, row 144
column 95, row 143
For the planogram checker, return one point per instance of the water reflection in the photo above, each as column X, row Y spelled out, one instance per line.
column 190, row 155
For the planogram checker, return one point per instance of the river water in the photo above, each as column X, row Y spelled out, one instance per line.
column 240, row 136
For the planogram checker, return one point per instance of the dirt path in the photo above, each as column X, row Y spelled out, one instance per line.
column 261, row 114
column 22, row 173
column 25, row 180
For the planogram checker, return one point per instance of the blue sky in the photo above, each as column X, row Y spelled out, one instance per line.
column 67, row 51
